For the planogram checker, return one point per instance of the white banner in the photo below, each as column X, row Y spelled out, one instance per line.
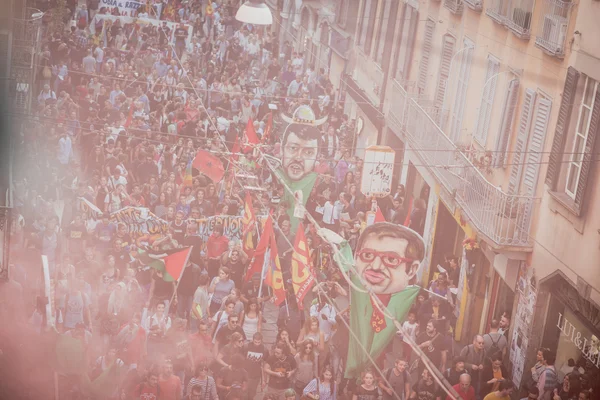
column 125, row 7
column 100, row 18
column 377, row 172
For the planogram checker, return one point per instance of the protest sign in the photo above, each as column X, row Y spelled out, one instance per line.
column 140, row 221
column 232, row 226
column 125, row 7
column 108, row 20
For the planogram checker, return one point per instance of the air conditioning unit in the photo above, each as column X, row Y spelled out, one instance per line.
column 554, row 32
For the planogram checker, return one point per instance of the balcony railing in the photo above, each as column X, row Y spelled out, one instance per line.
column 454, row 6
column 498, row 10
column 367, row 74
column 505, row 219
column 519, row 18
column 475, row 5
column 553, row 26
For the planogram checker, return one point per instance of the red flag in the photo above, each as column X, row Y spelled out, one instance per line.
column 407, row 220
column 130, row 115
column 251, row 136
column 175, row 263
column 274, row 277
column 302, row 270
column 256, row 265
column 210, row 165
column 235, row 149
column 249, row 224
column 268, row 128
column 379, row 215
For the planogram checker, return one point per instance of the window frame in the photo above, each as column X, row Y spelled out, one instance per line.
column 576, row 160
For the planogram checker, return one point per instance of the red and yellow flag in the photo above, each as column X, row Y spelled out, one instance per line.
column 248, row 225
column 258, row 259
column 268, row 128
column 302, row 271
column 274, row 277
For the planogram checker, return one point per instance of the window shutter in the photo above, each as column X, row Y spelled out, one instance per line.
column 562, row 125
column 521, row 143
column 461, row 92
column 370, row 26
column 508, row 115
column 446, row 59
column 425, row 54
column 588, row 156
column 386, row 21
column 536, row 145
column 487, row 100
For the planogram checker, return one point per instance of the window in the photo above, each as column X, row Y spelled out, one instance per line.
column 508, row 113
column 487, row 100
column 580, row 98
column 582, row 131
column 461, row 90
column 406, row 42
column 367, row 22
column 498, row 10
column 529, row 146
column 444, row 71
column 385, row 20
column 342, row 13
column 425, row 55
column 519, row 18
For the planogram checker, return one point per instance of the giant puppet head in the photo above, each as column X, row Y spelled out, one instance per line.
column 300, row 144
column 387, row 257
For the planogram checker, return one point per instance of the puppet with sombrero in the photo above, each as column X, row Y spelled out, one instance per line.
column 299, row 149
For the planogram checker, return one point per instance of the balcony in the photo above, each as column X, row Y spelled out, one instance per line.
column 519, row 18
column 553, row 26
column 454, row 6
column 502, row 218
column 498, row 11
column 367, row 74
column 475, row 5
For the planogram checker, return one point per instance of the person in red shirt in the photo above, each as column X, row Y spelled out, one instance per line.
column 216, row 245
column 464, row 388
column 201, row 344
column 170, row 384
column 149, row 389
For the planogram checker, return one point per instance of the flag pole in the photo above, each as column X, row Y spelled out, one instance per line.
column 262, row 272
column 187, row 258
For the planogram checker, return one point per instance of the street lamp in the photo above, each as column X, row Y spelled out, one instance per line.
column 254, row 12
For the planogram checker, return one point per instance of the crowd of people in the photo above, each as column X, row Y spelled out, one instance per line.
column 122, row 109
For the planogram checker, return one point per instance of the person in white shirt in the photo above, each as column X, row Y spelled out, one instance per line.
column 325, row 313
column 99, row 54
column 65, row 149
column 46, row 94
column 298, row 63
column 409, row 328
column 294, row 87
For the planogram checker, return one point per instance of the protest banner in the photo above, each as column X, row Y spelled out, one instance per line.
column 103, row 19
column 140, row 221
column 232, row 226
column 125, row 7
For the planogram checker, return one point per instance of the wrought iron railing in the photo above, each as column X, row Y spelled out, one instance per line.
column 505, row 219
column 498, row 10
column 519, row 18
column 454, row 6
column 553, row 26
column 368, row 74
column 475, row 5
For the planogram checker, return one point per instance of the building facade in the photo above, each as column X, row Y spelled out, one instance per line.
column 491, row 108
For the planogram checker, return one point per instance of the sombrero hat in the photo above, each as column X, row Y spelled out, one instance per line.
column 304, row 115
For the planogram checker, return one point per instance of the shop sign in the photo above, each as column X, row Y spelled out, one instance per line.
column 588, row 347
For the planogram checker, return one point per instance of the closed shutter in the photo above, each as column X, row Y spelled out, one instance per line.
column 425, row 55
column 461, row 91
column 370, row 26
column 521, row 142
column 588, row 155
column 487, row 100
column 536, row 145
column 508, row 115
column 562, row 125
column 446, row 59
column 386, row 21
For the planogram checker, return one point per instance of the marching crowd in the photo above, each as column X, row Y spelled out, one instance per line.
column 122, row 109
